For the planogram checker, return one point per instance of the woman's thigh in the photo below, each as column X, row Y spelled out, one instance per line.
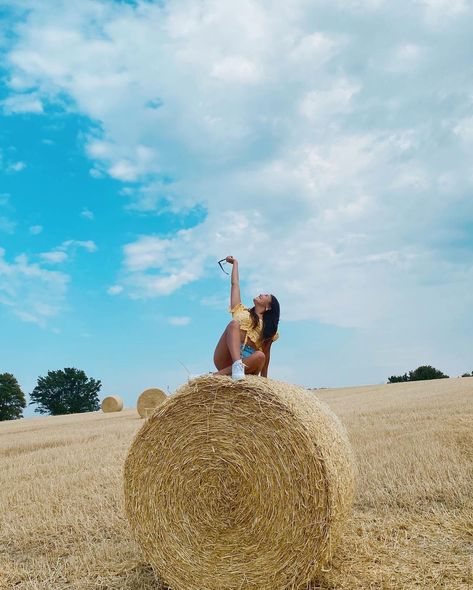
column 254, row 363
column 222, row 356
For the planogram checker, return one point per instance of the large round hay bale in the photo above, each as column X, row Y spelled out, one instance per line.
column 112, row 403
column 149, row 400
column 239, row 485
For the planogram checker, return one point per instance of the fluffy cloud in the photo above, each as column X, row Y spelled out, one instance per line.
column 20, row 103
column 439, row 12
column 179, row 320
column 115, row 290
column 54, row 257
column 33, row 293
column 15, row 166
column 88, row 245
column 10, row 166
column 332, row 155
column 64, row 251
column 36, row 229
column 87, row 214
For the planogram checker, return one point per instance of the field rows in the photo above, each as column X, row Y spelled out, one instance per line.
column 62, row 524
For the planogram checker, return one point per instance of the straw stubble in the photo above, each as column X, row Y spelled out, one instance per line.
column 239, row 485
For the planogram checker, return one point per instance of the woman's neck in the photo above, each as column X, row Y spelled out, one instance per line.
column 259, row 311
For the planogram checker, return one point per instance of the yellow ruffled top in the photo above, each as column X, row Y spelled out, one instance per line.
column 241, row 314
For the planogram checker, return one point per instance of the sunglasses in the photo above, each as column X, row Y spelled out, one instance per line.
column 221, row 263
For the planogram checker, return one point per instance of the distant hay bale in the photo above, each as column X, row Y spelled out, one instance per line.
column 112, row 403
column 149, row 400
column 239, row 485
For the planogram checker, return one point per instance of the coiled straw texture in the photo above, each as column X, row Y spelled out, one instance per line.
column 235, row 485
column 112, row 403
column 149, row 400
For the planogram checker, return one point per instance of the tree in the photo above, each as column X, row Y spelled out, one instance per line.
column 66, row 392
column 422, row 373
column 426, row 372
column 12, row 399
column 399, row 378
column 468, row 374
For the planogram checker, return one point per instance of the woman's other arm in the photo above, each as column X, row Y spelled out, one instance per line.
column 266, row 350
column 235, row 298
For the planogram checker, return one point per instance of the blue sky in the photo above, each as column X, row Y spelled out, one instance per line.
column 327, row 145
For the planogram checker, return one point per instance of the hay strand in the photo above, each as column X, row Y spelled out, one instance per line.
column 112, row 403
column 239, row 485
column 149, row 400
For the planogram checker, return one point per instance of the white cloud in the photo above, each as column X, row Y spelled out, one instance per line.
column 15, row 167
column 314, row 50
column 318, row 104
column 179, row 320
column 87, row 214
column 236, row 69
column 54, row 257
column 22, row 103
column 464, row 129
column 115, row 290
column 95, row 173
column 32, row 293
column 145, row 286
column 406, row 57
column 7, row 164
column 142, row 161
column 438, row 12
column 36, row 229
column 88, row 245
column 147, row 252
column 332, row 153
column 63, row 252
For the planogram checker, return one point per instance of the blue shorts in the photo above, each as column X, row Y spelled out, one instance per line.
column 246, row 351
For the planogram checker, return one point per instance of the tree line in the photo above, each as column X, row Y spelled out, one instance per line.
column 67, row 391
column 422, row 373
column 70, row 391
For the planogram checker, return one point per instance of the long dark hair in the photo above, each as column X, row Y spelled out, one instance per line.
column 270, row 319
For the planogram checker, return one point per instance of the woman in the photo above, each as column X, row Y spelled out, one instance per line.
column 245, row 345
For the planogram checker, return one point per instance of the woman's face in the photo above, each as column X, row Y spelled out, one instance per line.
column 263, row 299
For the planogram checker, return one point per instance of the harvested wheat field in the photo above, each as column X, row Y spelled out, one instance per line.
column 62, row 523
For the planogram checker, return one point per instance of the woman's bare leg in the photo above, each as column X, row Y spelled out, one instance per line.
column 227, row 350
column 253, row 365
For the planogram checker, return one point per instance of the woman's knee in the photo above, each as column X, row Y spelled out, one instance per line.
column 255, row 362
column 233, row 325
column 260, row 357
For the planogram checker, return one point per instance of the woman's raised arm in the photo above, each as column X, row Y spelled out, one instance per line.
column 235, row 297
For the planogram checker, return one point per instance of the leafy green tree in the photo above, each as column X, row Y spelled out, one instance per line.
column 398, row 378
column 468, row 374
column 66, row 392
column 422, row 373
column 426, row 372
column 12, row 399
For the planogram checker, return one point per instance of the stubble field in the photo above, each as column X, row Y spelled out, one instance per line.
column 62, row 524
